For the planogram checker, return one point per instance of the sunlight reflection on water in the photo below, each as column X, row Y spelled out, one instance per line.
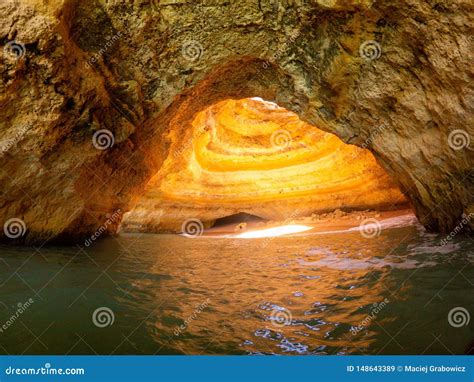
column 281, row 295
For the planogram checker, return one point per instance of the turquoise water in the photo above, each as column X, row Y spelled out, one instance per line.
column 163, row 294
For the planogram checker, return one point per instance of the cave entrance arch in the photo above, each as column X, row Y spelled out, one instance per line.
column 250, row 157
column 130, row 166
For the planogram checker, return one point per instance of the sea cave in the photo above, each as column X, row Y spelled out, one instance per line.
column 236, row 177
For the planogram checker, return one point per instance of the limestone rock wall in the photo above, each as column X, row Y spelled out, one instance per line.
column 392, row 76
column 255, row 157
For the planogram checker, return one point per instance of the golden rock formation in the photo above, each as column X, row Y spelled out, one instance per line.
column 394, row 77
column 255, row 157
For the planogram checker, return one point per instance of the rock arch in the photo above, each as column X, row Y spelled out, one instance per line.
column 251, row 156
column 138, row 68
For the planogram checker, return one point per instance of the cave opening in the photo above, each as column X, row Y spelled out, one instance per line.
column 238, row 222
column 250, row 165
column 214, row 127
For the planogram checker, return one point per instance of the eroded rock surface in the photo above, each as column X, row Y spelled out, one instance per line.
column 392, row 76
column 254, row 157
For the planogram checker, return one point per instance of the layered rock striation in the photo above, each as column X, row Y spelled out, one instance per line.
column 92, row 91
column 254, row 157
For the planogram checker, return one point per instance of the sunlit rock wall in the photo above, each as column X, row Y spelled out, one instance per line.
column 255, row 157
column 395, row 77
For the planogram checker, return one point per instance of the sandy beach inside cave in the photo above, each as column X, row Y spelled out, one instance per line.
column 337, row 221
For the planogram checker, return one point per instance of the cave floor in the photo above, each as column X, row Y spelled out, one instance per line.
column 334, row 222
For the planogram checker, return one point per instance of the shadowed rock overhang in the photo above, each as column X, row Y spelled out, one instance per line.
column 394, row 77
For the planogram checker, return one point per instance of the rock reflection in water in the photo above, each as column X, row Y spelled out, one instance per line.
column 319, row 294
